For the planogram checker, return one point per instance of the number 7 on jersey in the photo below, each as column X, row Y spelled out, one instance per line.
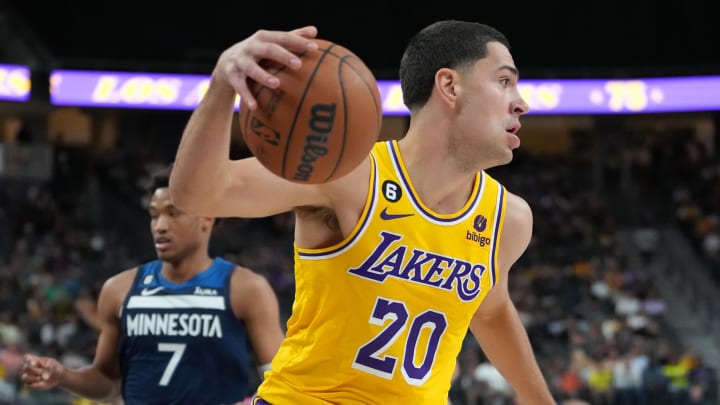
column 177, row 350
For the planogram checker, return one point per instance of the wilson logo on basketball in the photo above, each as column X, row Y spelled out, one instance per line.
column 322, row 118
column 325, row 116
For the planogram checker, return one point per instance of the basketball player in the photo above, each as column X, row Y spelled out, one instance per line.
column 175, row 330
column 395, row 261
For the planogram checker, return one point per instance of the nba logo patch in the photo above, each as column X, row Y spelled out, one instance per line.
column 148, row 279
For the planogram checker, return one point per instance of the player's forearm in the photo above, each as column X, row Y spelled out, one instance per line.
column 505, row 342
column 90, row 383
column 200, row 167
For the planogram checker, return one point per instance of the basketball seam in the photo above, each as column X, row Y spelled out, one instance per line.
column 310, row 80
column 369, row 86
column 343, row 59
column 245, row 126
column 345, row 115
column 374, row 98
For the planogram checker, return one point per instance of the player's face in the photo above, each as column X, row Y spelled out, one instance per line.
column 175, row 233
column 490, row 106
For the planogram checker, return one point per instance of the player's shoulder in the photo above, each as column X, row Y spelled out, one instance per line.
column 518, row 205
column 518, row 214
column 115, row 289
column 244, row 278
column 248, row 289
column 124, row 277
column 517, row 222
column 128, row 275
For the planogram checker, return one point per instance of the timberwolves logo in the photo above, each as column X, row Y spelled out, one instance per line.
column 479, row 225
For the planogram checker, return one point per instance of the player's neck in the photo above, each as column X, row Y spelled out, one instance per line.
column 183, row 270
column 436, row 179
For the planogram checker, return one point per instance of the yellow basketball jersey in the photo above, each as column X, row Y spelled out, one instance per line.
column 380, row 318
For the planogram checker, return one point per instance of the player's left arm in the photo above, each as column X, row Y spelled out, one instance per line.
column 496, row 325
column 254, row 301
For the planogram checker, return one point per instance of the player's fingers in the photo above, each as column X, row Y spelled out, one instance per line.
column 32, row 372
column 281, row 47
column 29, row 378
column 29, row 359
column 39, row 385
column 275, row 53
column 31, row 364
column 49, row 364
column 308, row 31
column 297, row 40
column 241, row 88
column 277, row 46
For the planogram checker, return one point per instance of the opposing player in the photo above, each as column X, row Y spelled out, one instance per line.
column 176, row 330
column 395, row 261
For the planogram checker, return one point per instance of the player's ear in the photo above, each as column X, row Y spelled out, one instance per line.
column 206, row 224
column 445, row 82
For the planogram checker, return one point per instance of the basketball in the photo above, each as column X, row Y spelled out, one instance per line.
column 321, row 122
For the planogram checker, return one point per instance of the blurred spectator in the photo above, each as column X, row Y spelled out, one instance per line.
column 646, row 240
column 653, row 304
column 697, row 396
column 498, row 390
column 655, row 383
column 600, row 381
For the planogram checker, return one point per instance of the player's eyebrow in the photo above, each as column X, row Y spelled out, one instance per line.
column 512, row 69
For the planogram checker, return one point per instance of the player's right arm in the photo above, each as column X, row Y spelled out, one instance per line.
column 99, row 381
column 204, row 181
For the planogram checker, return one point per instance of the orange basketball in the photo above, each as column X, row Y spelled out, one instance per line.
column 321, row 122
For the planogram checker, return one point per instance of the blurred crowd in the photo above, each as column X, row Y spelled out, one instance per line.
column 697, row 202
column 597, row 322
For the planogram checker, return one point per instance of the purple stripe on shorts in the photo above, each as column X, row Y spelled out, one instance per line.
column 260, row 401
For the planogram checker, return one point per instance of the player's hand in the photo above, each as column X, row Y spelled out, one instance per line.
column 241, row 61
column 41, row 373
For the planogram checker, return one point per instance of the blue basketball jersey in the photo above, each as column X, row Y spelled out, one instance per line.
column 182, row 343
